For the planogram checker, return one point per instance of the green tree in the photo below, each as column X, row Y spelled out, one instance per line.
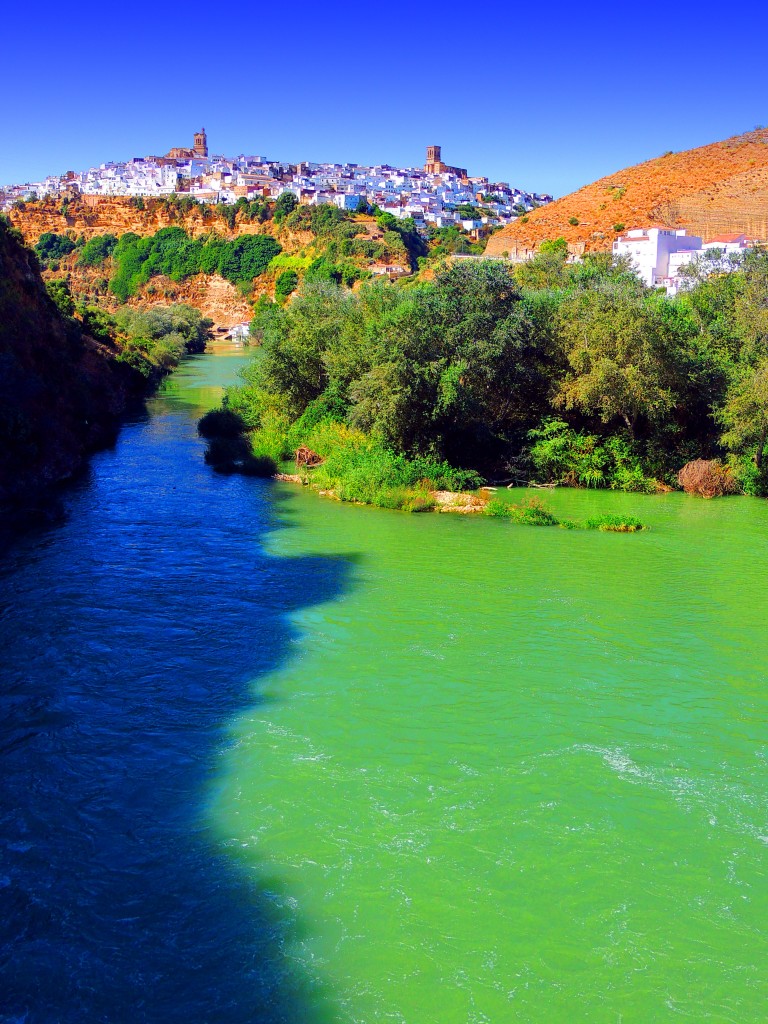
column 745, row 413
column 617, row 354
column 286, row 284
column 286, row 203
column 51, row 247
column 96, row 250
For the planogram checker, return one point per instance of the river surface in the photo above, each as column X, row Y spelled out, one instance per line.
column 268, row 758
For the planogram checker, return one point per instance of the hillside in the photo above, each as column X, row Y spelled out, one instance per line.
column 711, row 190
column 61, row 391
column 316, row 241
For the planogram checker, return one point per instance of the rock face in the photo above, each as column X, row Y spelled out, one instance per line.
column 217, row 299
column 101, row 215
column 96, row 215
column 716, row 189
column 61, row 392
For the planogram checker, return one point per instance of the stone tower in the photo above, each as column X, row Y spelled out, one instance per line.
column 201, row 143
column 434, row 160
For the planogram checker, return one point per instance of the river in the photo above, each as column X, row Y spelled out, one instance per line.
column 270, row 758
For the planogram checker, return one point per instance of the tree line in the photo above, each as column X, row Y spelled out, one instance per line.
column 550, row 371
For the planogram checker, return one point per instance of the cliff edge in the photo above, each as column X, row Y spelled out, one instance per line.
column 61, row 391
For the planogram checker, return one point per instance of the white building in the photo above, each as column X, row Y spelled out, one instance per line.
column 650, row 249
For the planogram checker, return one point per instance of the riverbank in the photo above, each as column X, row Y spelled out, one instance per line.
column 490, row 501
column 69, row 375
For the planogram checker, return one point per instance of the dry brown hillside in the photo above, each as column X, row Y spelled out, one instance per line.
column 709, row 191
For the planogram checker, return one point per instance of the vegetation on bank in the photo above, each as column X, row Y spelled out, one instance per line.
column 150, row 341
column 551, row 372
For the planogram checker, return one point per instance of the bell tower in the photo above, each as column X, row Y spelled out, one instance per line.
column 201, row 143
column 434, row 159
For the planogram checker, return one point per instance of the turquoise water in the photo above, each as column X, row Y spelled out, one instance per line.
column 518, row 773
column 270, row 758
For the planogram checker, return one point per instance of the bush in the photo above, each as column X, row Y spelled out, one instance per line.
column 573, row 221
column 51, row 247
column 286, row 203
column 96, row 250
column 618, row 227
column 562, row 455
column 221, row 423
column 708, row 479
column 532, row 512
column 615, row 523
column 286, row 284
column 170, row 251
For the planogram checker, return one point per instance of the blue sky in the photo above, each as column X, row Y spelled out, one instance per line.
column 546, row 97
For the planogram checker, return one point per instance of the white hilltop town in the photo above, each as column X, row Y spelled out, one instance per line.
column 432, row 194
column 435, row 194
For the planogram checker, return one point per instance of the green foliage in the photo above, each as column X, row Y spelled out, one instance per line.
column 154, row 340
column 96, row 250
column 51, row 248
column 286, row 203
column 62, row 297
column 361, row 468
column 573, row 221
column 286, row 284
column 573, row 373
column 221, row 423
column 560, row 454
column 228, row 214
column 615, row 523
column 532, row 512
column 618, row 227
column 98, row 323
column 247, row 256
column 171, row 252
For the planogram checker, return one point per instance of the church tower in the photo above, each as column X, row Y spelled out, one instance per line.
column 201, row 143
column 434, row 160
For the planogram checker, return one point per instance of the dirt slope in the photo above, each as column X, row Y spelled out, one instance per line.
column 719, row 188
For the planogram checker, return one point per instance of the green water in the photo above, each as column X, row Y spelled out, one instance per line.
column 518, row 773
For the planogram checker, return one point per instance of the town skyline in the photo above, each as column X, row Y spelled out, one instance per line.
column 434, row 194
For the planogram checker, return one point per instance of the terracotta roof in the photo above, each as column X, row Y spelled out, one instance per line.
column 728, row 238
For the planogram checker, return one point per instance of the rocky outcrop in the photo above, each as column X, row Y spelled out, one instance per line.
column 100, row 215
column 711, row 190
column 217, row 299
column 88, row 216
column 61, row 391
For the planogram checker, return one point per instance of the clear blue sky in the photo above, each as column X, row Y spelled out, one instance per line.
column 547, row 97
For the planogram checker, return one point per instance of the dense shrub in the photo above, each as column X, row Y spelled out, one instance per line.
column 561, row 454
column 615, row 523
column 51, row 248
column 96, row 250
column 286, row 284
column 565, row 373
column 221, row 423
column 707, row 478
column 171, row 252
column 154, row 340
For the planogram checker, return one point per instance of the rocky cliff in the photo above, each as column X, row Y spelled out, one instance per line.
column 711, row 190
column 61, row 392
column 88, row 216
